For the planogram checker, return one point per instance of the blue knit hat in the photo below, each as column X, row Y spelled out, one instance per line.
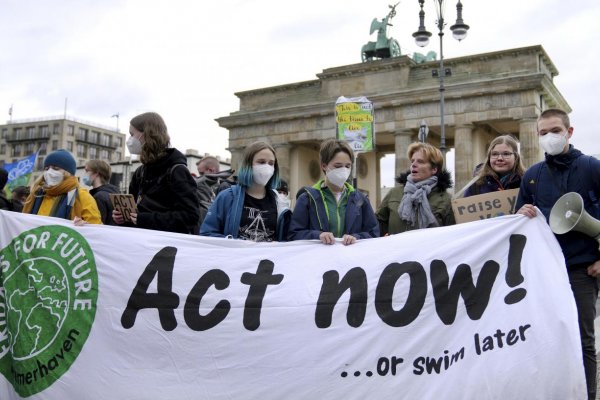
column 63, row 159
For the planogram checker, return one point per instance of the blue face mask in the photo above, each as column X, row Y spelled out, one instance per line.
column 86, row 180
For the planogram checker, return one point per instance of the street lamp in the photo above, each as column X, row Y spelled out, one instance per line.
column 459, row 32
column 423, row 131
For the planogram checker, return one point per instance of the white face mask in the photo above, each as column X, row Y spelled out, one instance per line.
column 53, row 177
column 261, row 173
column 553, row 143
column 134, row 145
column 338, row 176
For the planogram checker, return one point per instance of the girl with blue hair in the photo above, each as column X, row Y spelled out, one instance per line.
column 252, row 209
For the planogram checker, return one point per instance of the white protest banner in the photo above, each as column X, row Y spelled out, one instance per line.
column 480, row 310
column 482, row 206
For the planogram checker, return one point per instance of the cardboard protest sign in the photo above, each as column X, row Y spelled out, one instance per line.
column 483, row 206
column 124, row 203
column 354, row 122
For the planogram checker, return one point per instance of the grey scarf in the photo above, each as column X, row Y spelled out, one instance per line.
column 414, row 207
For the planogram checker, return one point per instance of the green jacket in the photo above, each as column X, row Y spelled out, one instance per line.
column 440, row 202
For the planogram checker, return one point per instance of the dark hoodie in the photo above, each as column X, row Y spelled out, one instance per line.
column 545, row 182
column 102, row 196
column 439, row 201
column 165, row 193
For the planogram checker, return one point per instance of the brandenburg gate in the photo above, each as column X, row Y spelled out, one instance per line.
column 487, row 95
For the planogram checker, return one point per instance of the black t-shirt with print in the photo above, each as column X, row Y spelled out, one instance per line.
column 259, row 218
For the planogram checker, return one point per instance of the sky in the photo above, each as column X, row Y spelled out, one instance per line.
column 185, row 59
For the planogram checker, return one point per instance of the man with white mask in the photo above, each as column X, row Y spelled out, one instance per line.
column 565, row 169
column 332, row 208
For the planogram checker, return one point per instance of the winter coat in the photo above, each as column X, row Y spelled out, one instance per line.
column 492, row 184
column 439, row 199
column 545, row 182
column 310, row 216
column 208, row 186
column 165, row 193
column 102, row 196
column 5, row 204
column 65, row 200
column 225, row 213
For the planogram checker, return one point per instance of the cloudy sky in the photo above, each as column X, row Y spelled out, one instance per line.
column 185, row 59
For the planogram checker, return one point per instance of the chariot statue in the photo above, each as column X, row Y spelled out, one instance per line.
column 384, row 47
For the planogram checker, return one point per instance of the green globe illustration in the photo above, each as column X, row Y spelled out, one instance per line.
column 37, row 298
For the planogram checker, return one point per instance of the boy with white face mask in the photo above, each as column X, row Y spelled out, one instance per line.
column 332, row 208
column 565, row 170
column 57, row 192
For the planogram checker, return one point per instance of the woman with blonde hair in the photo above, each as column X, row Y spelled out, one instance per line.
column 502, row 170
column 57, row 192
column 422, row 201
column 163, row 188
column 252, row 209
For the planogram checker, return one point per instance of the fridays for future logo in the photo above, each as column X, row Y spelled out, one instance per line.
column 48, row 295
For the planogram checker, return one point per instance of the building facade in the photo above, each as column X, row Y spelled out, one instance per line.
column 85, row 140
column 486, row 95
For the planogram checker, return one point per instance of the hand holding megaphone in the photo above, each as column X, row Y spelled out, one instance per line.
column 568, row 214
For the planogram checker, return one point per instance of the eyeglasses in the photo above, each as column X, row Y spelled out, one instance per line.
column 504, row 154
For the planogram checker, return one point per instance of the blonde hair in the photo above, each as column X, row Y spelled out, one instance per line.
column 431, row 153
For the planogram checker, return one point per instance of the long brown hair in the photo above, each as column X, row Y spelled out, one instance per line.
column 156, row 136
column 487, row 169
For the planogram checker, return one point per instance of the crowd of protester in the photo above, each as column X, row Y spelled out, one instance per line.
column 254, row 203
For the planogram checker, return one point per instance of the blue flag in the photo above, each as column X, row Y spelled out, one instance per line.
column 19, row 172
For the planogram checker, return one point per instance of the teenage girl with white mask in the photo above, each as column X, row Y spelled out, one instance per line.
column 252, row 209
column 57, row 192
column 332, row 208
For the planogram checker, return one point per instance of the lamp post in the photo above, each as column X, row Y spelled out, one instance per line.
column 117, row 117
column 423, row 131
column 459, row 32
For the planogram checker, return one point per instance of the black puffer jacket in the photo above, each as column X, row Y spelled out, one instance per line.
column 165, row 193
column 102, row 196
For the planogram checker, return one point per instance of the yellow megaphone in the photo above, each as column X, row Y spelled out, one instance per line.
column 568, row 214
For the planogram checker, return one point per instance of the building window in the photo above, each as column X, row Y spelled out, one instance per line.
column 93, row 137
column 18, row 134
column 105, row 140
column 93, row 152
column 56, row 129
column 30, row 132
column 118, row 156
column 71, row 130
column 2, row 148
column 29, row 148
column 4, row 133
column 80, row 150
column 16, row 150
column 70, row 146
column 40, row 163
column 54, row 144
column 44, row 131
column 81, row 135
column 43, row 146
column 104, row 155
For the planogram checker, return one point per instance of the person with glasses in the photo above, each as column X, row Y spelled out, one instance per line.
column 502, row 170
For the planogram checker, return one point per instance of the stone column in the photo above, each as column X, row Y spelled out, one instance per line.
column 402, row 139
column 282, row 151
column 236, row 157
column 529, row 149
column 463, row 155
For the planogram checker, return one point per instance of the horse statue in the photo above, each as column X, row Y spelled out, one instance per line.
column 384, row 47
